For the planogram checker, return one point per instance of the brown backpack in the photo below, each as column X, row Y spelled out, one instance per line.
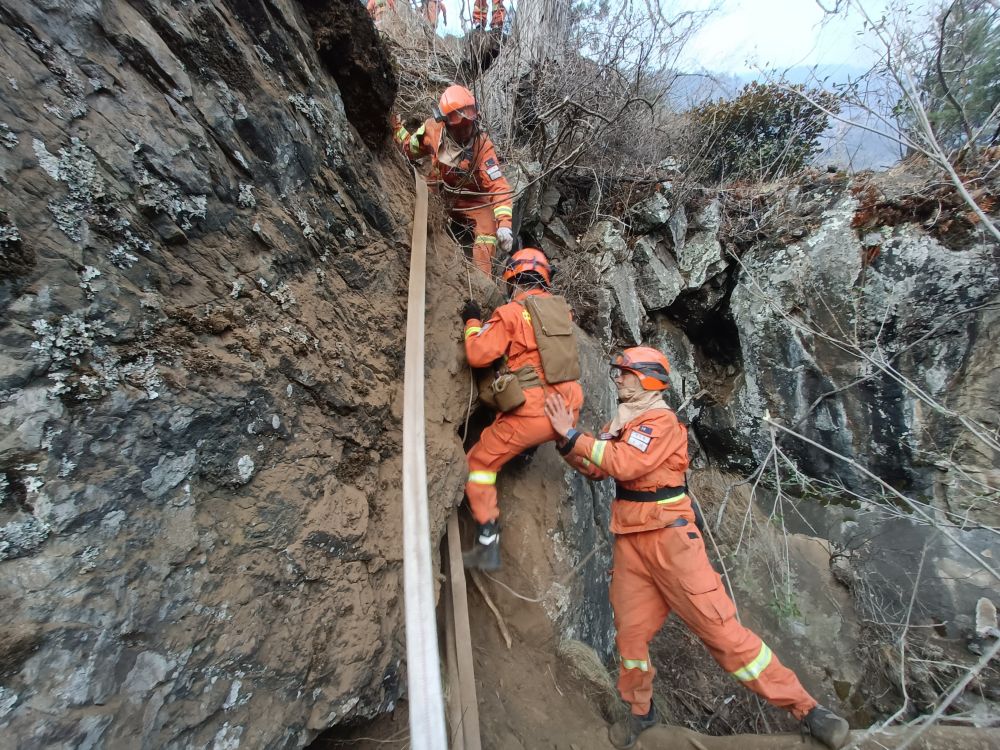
column 552, row 321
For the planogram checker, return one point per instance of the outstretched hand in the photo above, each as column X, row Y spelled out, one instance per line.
column 559, row 414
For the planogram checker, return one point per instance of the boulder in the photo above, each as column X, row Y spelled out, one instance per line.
column 658, row 278
column 650, row 214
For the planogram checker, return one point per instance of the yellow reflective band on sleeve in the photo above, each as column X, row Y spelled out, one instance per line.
column 753, row 670
column 485, row 239
column 640, row 664
column 415, row 140
column 597, row 452
column 482, row 477
column 402, row 134
column 671, row 500
column 501, row 211
column 471, row 330
column 585, row 462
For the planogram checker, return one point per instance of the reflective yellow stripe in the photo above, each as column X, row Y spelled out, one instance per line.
column 752, row 670
column 402, row 134
column 672, row 500
column 482, row 477
column 486, row 239
column 585, row 463
column 597, row 452
column 415, row 140
column 641, row 664
column 472, row 330
column 500, row 211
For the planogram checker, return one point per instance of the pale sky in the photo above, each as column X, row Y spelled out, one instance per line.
column 742, row 36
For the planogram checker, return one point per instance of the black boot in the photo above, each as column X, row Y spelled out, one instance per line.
column 827, row 727
column 485, row 555
column 625, row 733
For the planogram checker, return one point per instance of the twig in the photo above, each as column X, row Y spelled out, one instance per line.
column 956, row 691
column 477, row 580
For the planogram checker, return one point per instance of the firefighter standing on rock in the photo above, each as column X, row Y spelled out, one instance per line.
column 660, row 565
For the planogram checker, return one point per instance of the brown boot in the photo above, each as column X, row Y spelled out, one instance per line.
column 625, row 733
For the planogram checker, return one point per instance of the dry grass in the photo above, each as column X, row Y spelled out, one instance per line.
column 584, row 664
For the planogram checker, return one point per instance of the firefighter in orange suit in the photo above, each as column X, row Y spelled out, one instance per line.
column 466, row 165
column 433, row 9
column 479, row 14
column 378, row 8
column 660, row 565
column 508, row 333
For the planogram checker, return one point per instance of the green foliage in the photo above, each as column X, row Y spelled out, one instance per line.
column 785, row 607
column 960, row 84
column 766, row 131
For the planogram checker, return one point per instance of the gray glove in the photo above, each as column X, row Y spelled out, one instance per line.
column 505, row 238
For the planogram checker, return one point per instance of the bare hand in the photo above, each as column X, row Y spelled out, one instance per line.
column 559, row 414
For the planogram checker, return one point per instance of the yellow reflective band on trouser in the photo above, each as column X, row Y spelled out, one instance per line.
column 640, row 664
column 671, row 500
column 486, row 239
column 472, row 330
column 597, row 452
column 752, row 670
column 482, row 477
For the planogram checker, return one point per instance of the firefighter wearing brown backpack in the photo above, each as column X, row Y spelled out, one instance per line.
column 533, row 338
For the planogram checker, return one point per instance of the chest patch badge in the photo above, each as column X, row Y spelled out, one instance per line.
column 493, row 169
column 638, row 440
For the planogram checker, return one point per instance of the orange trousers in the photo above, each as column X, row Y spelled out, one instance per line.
column 510, row 434
column 484, row 225
column 479, row 13
column 666, row 570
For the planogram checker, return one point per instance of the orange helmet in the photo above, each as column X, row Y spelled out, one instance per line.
column 457, row 103
column 647, row 363
column 528, row 259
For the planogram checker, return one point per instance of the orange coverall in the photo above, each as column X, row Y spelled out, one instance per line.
column 377, row 8
column 432, row 9
column 660, row 565
column 479, row 13
column 509, row 333
column 478, row 171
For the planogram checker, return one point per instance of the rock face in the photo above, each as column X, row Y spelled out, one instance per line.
column 202, row 330
column 871, row 341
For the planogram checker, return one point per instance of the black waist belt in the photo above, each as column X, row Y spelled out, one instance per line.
column 652, row 496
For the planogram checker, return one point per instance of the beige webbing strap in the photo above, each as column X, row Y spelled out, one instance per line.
column 426, row 703
column 468, row 738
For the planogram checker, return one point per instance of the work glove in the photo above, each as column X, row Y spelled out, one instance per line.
column 505, row 238
column 471, row 310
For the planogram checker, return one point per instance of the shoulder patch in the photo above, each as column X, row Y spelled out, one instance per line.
column 491, row 162
column 494, row 172
column 645, row 428
column 638, row 440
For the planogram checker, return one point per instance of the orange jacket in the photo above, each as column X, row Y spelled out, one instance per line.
column 477, row 172
column 376, row 8
column 649, row 453
column 508, row 333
